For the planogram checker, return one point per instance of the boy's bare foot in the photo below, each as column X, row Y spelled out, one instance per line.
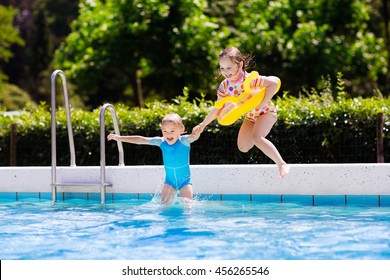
column 283, row 170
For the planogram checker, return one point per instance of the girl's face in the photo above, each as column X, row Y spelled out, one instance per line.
column 229, row 69
column 171, row 132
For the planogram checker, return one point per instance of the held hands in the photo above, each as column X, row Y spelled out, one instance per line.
column 198, row 129
column 113, row 136
column 196, row 132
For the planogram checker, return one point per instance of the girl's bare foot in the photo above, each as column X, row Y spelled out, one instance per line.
column 283, row 170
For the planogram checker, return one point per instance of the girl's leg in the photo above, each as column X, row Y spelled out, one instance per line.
column 167, row 194
column 262, row 127
column 245, row 139
column 187, row 192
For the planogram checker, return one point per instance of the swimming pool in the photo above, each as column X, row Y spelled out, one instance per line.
column 144, row 229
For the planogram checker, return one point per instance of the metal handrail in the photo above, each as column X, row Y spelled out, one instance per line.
column 68, row 118
column 103, row 146
column 54, row 125
column 103, row 183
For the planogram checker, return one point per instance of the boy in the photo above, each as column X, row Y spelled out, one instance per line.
column 176, row 155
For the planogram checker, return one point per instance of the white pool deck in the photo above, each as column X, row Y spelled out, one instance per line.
column 303, row 179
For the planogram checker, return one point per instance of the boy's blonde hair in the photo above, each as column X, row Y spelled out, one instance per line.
column 174, row 119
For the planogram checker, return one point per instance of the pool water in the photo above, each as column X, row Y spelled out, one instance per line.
column 145, row 229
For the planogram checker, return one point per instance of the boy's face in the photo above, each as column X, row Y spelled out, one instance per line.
column 229, row 69
column 171, row 132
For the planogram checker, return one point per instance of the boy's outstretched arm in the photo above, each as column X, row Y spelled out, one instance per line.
column 133, row 139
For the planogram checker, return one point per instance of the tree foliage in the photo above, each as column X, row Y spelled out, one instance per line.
column 43, row 24
column 8, row 35
column 118, row 49
column 115, row 42
column 313, row 38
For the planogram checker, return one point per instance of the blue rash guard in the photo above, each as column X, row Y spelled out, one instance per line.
column 176, row 160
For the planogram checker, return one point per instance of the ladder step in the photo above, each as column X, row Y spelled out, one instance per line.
column 89, row 185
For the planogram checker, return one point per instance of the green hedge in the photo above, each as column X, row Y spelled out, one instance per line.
column 320, row 127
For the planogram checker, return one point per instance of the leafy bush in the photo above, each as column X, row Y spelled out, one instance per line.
column 319, row 126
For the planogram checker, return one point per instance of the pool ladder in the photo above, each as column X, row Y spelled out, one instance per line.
column 102, row 183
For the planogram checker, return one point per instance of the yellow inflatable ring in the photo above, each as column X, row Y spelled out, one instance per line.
column 232, row 107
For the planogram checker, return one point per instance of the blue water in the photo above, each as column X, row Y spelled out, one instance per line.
column 144, row 229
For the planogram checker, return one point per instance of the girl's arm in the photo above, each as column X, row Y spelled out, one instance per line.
column 133, row 139
column 271, row 84
column 207, row 120
column 194, row 135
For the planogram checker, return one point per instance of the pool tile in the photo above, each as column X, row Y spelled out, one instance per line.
column 297, row 198
column 206, row 196
column 329, row 200
column 60, row 196
column 7, row 196
column 236, row 197
column 46, row 195
column 363, row 200
column 147, row 196
column 266, row 198
column 109, row 197
column 95, row 197
column 133, row 196
column 125, row 196
column 385, row 200
column 316, row 200
column 75, row 195
column 27, row 195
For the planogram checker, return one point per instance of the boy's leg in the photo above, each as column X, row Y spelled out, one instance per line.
column 187, row 192
column 167, row 194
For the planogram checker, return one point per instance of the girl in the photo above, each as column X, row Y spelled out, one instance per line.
column 258, row 122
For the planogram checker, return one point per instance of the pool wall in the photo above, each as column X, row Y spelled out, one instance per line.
column 308, row 183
